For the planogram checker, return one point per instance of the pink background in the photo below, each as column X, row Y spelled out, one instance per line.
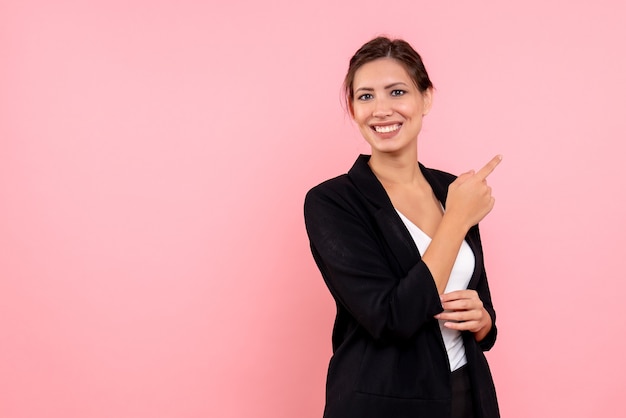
column 154, row 157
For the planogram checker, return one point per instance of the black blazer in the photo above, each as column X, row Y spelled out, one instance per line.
column 389, row 359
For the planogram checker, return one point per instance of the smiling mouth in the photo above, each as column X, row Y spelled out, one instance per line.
column 387, row 129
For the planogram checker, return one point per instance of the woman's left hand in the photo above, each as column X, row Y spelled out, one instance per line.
column 464, row 311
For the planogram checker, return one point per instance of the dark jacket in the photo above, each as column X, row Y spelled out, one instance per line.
column 389, row 359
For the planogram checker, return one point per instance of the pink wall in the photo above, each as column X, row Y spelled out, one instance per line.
column 154, row 157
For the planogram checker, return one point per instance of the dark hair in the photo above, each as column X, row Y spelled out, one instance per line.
column 383, row 47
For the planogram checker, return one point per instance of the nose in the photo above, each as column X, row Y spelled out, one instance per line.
column 382, row 108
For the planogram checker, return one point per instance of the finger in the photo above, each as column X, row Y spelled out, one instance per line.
column 462, row 326
column 489, row 167
column 460, row 316
column 457, row 317
column 457, row 294
column 463, row 305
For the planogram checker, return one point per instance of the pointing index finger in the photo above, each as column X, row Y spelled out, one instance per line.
column 489, row 167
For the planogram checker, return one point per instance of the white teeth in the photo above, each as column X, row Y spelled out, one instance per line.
column 387, row 129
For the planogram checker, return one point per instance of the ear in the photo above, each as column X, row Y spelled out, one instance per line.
column 427, row 96
column 350, row 108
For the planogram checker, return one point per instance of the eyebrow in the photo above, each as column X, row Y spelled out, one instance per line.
column 386, row 87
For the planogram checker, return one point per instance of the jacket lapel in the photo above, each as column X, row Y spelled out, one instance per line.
column 388, row 222
column 472, row 240
column 391, row 226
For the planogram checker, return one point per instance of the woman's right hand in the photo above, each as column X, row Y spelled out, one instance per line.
column 469, row 197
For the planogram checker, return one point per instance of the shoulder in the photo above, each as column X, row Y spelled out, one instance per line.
column 330, row 186
column 355, row 195
column 337, row 191
column 333, row 207
column 358, row 184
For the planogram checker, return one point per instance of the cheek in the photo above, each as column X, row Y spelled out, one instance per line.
column 360, row 114
column 410, row 109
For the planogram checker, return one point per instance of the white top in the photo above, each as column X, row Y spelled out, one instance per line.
column 459, row 279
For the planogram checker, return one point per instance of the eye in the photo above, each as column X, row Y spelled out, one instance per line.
column 398, row 92
column 364, row 97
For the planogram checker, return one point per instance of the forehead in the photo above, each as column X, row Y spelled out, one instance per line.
column 382, row 71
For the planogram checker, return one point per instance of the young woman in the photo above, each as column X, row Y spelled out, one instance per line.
column 399, row 249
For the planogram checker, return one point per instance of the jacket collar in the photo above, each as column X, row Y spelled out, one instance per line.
column 364, row 179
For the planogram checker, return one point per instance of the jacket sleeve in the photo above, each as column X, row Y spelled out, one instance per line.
column 356, row 267
column 485, row 296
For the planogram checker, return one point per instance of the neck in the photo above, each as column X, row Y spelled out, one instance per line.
column 396, row 169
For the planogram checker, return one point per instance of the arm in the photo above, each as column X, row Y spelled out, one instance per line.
column 469, row 201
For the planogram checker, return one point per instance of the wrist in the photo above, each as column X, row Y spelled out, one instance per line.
column 485, row 326
column 454, row 224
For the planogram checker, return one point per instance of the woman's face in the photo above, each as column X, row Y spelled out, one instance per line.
column 387, row 106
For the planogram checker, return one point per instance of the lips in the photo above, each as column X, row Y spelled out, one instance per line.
column 385, row 129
